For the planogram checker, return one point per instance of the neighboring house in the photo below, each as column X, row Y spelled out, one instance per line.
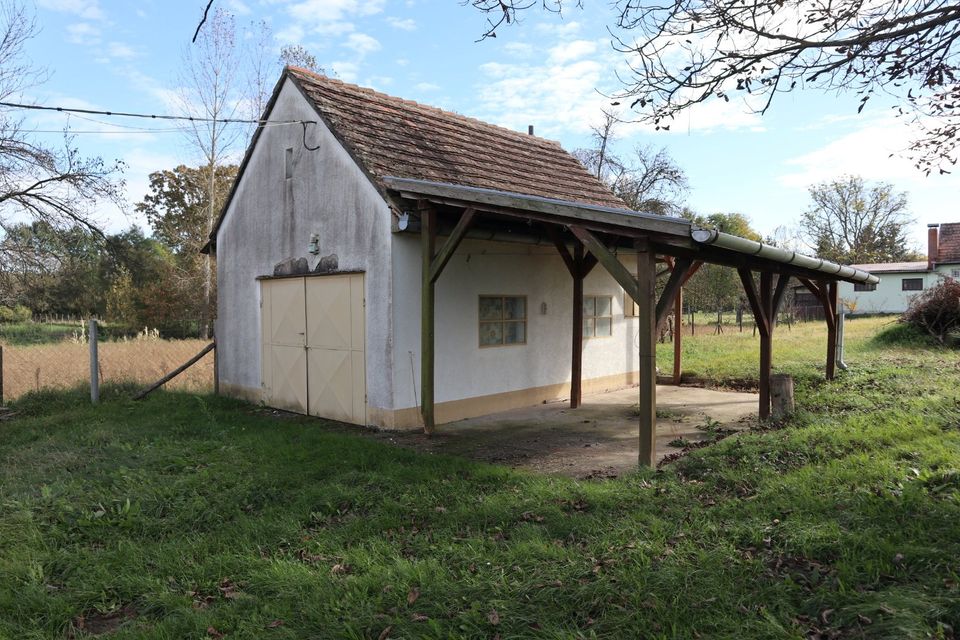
column 901, row 281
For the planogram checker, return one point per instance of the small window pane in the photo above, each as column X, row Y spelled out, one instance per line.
column 514, row 308
column 589, row 306
column 491, row 308
column 604, row 327
column 514, row 332
column 588, row 327
column 603, row 306
column 491, row 333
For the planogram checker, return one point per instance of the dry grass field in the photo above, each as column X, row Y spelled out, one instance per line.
column 67, row 364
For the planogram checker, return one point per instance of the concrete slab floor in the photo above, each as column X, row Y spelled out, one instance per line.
column 598, row 439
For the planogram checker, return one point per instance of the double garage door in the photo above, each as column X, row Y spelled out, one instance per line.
column 313, row 346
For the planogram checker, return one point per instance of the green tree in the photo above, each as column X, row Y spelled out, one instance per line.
column 177, row 208
column 852, row 222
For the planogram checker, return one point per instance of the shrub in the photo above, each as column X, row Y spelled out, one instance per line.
column 19, row 313
column 936, row 310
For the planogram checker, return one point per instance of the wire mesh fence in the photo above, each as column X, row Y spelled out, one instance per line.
column 66, row 364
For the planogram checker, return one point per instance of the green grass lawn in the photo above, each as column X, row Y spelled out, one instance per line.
column 196, row 517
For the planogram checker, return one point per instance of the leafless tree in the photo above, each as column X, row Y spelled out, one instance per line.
column 650, row 180
column 211, row 88
column 686, row 52
column 56, row 185
column 297, row 55
column 260, row 77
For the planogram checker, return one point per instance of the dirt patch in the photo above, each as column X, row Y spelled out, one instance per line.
column 95, row 623
column 597, row 440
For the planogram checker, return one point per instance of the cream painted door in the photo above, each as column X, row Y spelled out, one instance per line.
column 336, row 375
column 283, row 342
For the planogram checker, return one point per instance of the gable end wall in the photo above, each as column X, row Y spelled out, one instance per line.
column 271, row 219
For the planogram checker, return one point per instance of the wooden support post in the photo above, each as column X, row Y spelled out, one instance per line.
column 576, row 345
column 1, row 374
column 677, row 339
column 579, row 265
column 173, row 374
column 831, row 330
column 762, row 307
column 826, row 293
column 647, row 329
column 766, row 342
column 448, row 248
column 428, row 239
column 94, row 364
column 672, row 289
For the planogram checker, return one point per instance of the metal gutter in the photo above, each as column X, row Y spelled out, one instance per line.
column 731, row 242
column 551, row 206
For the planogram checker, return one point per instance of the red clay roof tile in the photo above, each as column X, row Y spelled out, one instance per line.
column 395, row 137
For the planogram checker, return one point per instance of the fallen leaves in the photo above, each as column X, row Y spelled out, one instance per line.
column 412, row 595
column 493, row 617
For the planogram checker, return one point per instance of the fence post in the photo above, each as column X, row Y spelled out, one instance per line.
column 94, row 364
column 1, row 374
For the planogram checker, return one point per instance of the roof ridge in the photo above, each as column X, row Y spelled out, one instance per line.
column 319, row 78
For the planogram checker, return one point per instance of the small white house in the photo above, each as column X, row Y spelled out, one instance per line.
column 310, row 236
column 900, row 282
column 381, row 262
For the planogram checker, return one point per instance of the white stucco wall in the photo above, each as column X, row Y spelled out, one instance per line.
column 463, row 368
column 889, row 296
column 271, row 219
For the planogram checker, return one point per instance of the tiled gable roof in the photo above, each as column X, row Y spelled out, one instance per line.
column 394, row 137
column 949, row 242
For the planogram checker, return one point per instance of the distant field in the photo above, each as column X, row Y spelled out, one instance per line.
column 65, row 365
column 24, row 333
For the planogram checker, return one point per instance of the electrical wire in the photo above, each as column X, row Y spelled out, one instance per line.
column 129, row 114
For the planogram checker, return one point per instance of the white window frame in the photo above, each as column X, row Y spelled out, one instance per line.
column 502, row 321
column 593, row 318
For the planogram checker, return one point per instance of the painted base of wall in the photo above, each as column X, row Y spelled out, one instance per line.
column 453, row 410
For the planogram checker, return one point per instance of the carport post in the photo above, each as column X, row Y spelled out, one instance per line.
column 428, row 240
column 576, row 348
column 647, row 329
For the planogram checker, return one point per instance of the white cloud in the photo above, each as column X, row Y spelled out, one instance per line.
column 83, row 33
column 346, row 71
column 404, row 24
column 426, row 86
column 866, row 151
column 330, row 17
column 559, row 30
column 570, row 51
column 522, row 49
column 362, row 44
column 121, row 50
column 87, row 9
column 291, row 34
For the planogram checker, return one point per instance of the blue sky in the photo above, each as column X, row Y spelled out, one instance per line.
column 548, row 71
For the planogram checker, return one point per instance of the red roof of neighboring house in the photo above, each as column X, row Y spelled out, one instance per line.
column 949, row 242
column 892, row 267
column 394, row 137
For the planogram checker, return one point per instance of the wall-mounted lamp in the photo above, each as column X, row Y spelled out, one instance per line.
column 314, row 247
column 403, row 221
column 543, row 306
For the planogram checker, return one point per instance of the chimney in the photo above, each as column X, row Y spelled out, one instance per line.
column 933, row 245
column 530, row 129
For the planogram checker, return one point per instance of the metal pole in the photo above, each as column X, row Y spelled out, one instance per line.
column 840, row 323
column 94, row 364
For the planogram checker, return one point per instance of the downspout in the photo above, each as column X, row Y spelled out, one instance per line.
column 840, row 323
